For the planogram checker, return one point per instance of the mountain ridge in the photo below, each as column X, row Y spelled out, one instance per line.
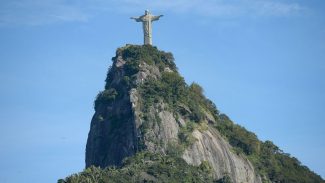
column 147, row 107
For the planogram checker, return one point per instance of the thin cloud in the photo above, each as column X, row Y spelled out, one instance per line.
column 39, row 12
column 219, row 8
column 270, row 8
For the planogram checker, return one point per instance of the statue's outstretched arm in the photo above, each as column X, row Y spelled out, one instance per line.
column 154, row 18
column 136, row 19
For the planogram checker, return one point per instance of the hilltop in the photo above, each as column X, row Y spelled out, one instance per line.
column 150, row 125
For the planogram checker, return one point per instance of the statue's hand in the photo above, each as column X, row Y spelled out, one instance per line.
column 155, row 18
column 136, row 19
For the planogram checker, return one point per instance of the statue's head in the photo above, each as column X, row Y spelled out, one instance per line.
column 146, row 12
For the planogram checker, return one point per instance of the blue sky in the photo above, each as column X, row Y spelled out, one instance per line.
column 261, row 61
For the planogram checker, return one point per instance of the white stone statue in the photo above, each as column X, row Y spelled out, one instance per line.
column 146, row 20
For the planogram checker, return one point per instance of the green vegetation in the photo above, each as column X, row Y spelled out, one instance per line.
column 268, row 159
column 224, row 179
column 170, row 88
column 134, row 55
column 148, row 54
column 188, row 101
column 105, row 97
column 146, row 167
column 173, row 90
column 238, row 136
column 185, row 135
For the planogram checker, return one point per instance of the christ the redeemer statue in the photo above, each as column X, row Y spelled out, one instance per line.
column 146, row 20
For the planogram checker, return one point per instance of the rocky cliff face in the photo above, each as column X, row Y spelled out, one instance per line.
column 147, row 106
column 112, row 135
column 211, row 147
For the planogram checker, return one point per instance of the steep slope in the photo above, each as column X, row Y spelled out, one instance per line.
column 147, row 107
